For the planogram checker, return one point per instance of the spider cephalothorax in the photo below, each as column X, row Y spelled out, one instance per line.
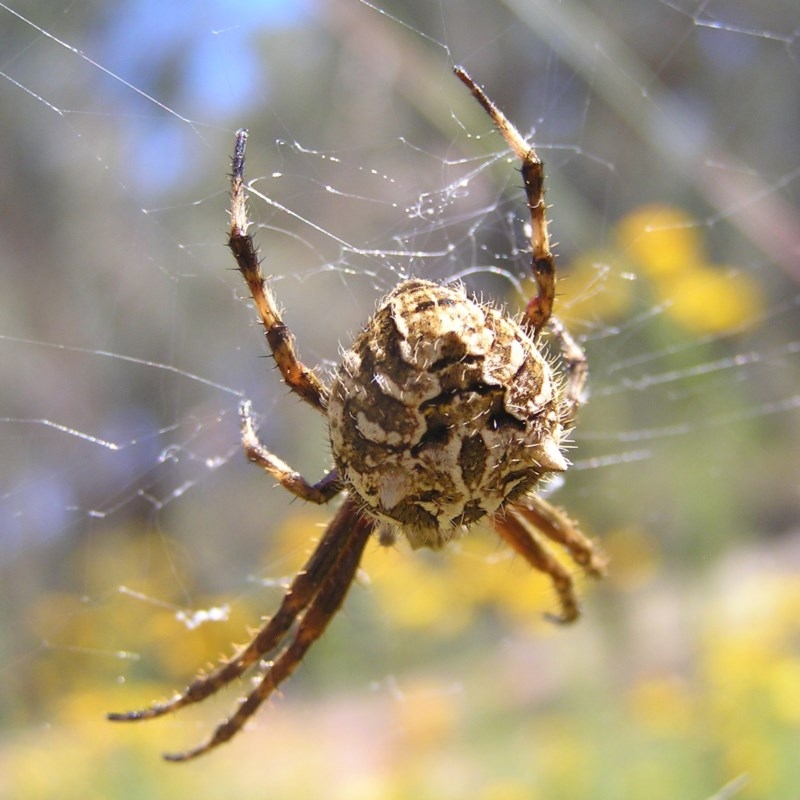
column 442, row 412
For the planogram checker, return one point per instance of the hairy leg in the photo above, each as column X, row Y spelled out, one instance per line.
column 324, row 604
column 320, row 492
column 323, row 566
column 297, row 375
column 558, row 527
column 524, row 541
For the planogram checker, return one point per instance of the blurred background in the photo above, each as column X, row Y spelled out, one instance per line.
column 136, row 544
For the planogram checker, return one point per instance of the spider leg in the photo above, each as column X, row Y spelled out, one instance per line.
column 543, row 264
column 349, row 532
column 320, row 492
column 512, row 528
column 345, row 532
column 577, row 370
column 558, row 527
column 297, row 375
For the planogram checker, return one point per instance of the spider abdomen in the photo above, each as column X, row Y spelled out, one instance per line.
column 442, row 410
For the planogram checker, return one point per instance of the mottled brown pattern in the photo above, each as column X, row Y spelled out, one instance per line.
column 442, row 410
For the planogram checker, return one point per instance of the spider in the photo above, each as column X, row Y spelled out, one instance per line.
column 443, row 412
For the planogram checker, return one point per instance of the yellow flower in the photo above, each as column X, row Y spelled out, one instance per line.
column 783, row 684
column 663, row 705
column 661, row 239
column 712, row 299
column 665, row 244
